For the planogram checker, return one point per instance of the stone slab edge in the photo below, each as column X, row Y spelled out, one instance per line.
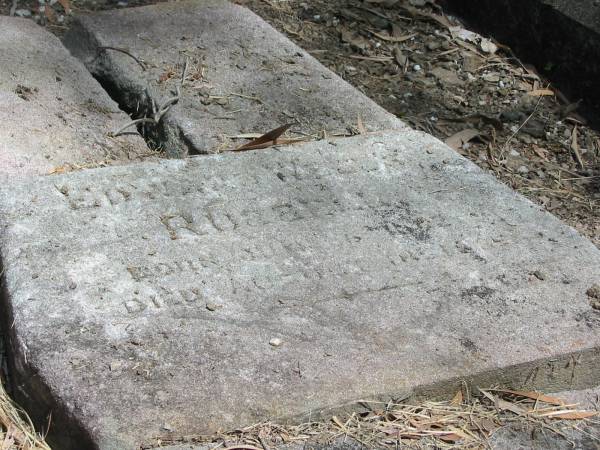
column 54, row 115
column 239, row 51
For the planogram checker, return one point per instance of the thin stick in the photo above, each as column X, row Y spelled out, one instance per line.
column 122, row 50
column 157, row 113
column 13, row 8
column 520, row 127
column 132, row 123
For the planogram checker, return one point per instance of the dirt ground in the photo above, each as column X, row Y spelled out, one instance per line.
column 423, row 66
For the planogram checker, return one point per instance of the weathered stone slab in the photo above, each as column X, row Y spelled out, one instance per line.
column 148, row 297
column 242, row 75
column 52, row 111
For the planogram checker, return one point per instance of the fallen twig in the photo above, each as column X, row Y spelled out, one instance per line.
column 157, row 113
column 512, row 136
column 126, row 52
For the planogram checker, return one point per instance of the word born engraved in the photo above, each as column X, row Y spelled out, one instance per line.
column 163, row 299
column 166, row 268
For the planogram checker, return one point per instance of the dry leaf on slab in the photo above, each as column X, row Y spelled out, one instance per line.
column 456, row 141
column 360, row 126
column 267, row 139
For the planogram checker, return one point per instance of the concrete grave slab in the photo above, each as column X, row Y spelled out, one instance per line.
column 243, row 76
column 214, row 292
column 52, row 111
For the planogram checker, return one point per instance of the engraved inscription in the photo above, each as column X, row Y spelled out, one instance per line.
column 164, row 298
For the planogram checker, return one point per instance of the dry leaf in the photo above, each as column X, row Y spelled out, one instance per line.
column 166, row 76
column 541, row 92
column 66, row 6
column 389, row 38
column 266, row 139
column 242, row 447
column 450, row 437
column 457, row 140
column 60, row 169
column 335, row 420
column 360, row 126
column 532, row 395
column 50, row 14
column 570, row 415
column 503, row 404
column 575, row 146
column 457, row 399
column 401, row 58
column 542, row 153
column 372, row 58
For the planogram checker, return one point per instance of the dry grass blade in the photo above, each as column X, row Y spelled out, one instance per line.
column 457, row 140
column 266, row 140
column 575, row 147
column 360, row 126
column 16, row 430
column 386, row 38
column 532, row 395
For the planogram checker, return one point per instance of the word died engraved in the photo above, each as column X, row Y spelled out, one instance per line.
column 165, row 298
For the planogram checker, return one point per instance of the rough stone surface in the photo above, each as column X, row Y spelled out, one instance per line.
column 385, row 263
column 52, row 111
column 242, row 75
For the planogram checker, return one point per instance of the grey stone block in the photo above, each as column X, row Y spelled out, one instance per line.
column 52, row 111
column 243, row 75
column 149, row 297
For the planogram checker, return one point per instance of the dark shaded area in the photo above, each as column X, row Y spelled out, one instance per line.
column 562, row 48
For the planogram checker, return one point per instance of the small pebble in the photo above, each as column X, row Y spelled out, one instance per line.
column 275, row 342
column 594, row 292
column 168, row 427
column 212, row 306
column 523, row 170
column 416, row 67
column 23, row 13
column 539, row 275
